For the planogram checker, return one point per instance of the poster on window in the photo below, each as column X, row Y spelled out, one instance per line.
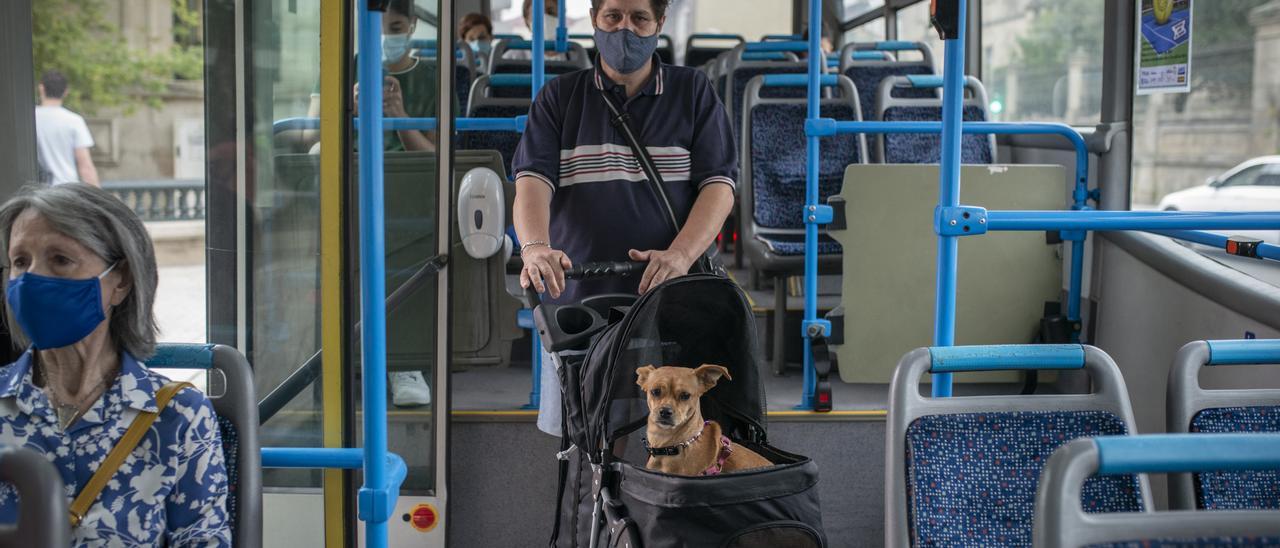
column 1164, row 46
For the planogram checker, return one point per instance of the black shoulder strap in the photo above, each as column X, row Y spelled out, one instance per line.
column 622, row 122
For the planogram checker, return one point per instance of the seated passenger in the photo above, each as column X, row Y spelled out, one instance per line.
column 409, row 89
column 477, row 31
column 550, row 22
column 580, row 194
column 80, row 285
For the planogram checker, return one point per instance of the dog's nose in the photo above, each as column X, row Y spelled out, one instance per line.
column 664, row 413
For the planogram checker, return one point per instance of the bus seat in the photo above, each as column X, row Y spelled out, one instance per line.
column 42, row 517
column 1194, row 409
column 917, row 148
column 867, row 73
column 963, row 470
column 234, row 399
column 1062, row 522
column 740, row 73
column 464, row 73
column 695, row 55
column 772, row 187
column 666, row 49
column 486, row 103
column 576, row 58
column 1003, row 278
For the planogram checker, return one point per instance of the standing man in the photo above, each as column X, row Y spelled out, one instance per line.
column 580, row 193
column 62, row 138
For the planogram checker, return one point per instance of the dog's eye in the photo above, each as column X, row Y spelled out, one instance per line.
column 684, row 396
column 656, row 392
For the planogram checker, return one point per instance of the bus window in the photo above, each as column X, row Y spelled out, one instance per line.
column 913, row 25
column 869, row 32
column 1043, row 63
column 1184, row 141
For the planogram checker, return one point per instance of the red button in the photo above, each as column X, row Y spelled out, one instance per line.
column 424, row 517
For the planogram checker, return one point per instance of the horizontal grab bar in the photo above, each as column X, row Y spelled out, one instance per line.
column 1164, row 453
column 1244, row 352
column 955, row 359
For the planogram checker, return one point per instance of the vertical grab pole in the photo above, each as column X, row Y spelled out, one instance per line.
column 562, row 30
column 373, row 289
column 539, row 42
column 1080, row 202
column 944, row 326
column 816, row 69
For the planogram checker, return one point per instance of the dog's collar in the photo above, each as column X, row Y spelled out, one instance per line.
column 673, row 450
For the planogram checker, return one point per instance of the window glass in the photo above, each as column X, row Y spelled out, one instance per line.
column 1244, row 177
column 914, row 26
column 854, row 8
column 1042, row 61
column 870, row 32
column 1183, row 140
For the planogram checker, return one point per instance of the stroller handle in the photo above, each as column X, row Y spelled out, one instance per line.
column 591, row 271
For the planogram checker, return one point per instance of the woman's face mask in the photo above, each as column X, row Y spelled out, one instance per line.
column 481, row 47
column 56, row 312
column 394, row 47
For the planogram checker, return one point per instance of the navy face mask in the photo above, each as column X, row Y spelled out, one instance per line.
column 56, row 312
column 624, row 50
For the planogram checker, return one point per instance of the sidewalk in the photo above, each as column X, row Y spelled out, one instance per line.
column 180, row 296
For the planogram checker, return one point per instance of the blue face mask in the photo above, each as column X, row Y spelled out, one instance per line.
column 483, row 47
column 56, row 312
column 394, row 47
column 624, row 50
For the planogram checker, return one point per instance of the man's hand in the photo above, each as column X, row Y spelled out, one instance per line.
column 544, row 270
column 663, row 265
column 392, row 99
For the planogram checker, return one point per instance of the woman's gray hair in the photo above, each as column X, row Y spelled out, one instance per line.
column 105, row 225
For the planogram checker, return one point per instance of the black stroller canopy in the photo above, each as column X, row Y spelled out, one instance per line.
column 688, row 321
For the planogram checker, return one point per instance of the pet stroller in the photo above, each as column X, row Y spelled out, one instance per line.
column 607, row 498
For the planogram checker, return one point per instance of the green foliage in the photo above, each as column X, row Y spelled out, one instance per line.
column 75, row 37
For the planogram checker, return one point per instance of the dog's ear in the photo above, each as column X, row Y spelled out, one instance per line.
column 642, row 374
column 709, row 374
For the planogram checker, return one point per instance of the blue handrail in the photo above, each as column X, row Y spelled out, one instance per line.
column 798, row 80
column 764, row 56
column 814, row 213
column 776, row 46
column 1244, row 352
column 1170, row 453
column 515, row 124
column 1265, row 250
column 956, row 359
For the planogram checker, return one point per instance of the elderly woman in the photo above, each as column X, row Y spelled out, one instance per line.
column 80, row 285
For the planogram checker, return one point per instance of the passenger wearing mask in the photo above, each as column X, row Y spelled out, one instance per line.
column 409, row 87
column 477, row 31
column 550, row 22
column 579, row 194
column 80, row 282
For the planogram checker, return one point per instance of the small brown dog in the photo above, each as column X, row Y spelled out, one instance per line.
column 678, row 440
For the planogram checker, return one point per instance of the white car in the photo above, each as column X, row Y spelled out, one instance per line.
column 1251, row 186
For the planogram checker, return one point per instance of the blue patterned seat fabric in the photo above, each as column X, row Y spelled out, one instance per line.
column 972, row 478
column 1242, row 490
column 231, row 455
column 868, row 78
column 742, row 76
column 790, row 245
column 918, row 148
column 1217, row 542
column 502, row 141
column 778, row 163
column 462, row 83
column 521, row 66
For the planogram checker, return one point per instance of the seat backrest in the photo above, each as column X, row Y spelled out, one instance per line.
column 232, row 393
column 696, row 55
column 1191, row 408
column 666, row 49
column 964, row 470
column 483, row 106
column 576, row 58
column 42, row 517
column 739, row 73
column 868, row 63
column 1062, row 521
column 921, row 148
column 771, row 192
